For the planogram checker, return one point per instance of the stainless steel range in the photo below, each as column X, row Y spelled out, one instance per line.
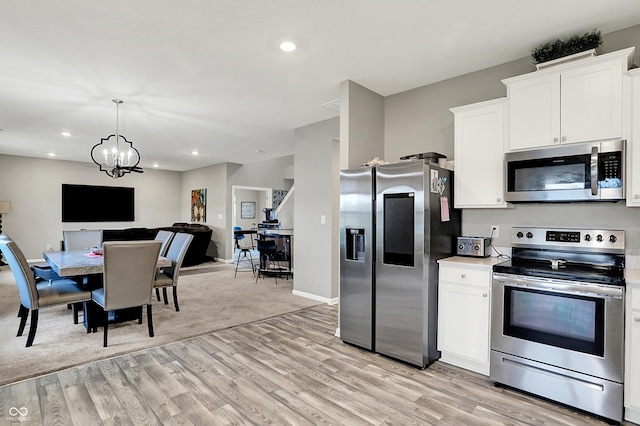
column 558, row 317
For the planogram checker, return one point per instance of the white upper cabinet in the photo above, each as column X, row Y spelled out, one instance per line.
column 479, row 135
column 573, row 102
column 633, row 142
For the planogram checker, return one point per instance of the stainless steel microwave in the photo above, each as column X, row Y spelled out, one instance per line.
column 574, row 172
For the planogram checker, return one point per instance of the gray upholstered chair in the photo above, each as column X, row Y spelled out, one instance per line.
column 165, row 237
column 32, row 296
column 129, row 270
column 168, row 277
column 82, row 239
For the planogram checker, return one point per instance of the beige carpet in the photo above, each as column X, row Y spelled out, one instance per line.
column 210, row 299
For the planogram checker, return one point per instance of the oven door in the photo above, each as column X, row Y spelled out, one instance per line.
column 573, row 325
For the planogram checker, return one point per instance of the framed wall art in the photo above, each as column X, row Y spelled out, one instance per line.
column 199, row 205
column 247, row 210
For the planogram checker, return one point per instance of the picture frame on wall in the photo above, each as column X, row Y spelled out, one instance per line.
column 199, row 205
column 247, row 210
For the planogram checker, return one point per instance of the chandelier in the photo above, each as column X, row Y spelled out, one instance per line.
column 115, row 155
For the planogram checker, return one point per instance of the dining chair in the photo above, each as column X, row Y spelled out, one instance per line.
column 165, row 237
column 82, row 239
column 168, row 277
column 129, row 270
column 35, row 296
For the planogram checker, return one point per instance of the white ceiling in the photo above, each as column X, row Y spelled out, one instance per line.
column 208, row 75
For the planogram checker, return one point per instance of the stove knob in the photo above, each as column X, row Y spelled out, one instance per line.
column 529, row 235
column 476, row 248
column 460, row 246
column 599, row 238
column 519, row 234
column 587, row 237
column 612, row 238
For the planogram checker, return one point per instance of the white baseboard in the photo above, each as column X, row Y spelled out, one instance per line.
column 316, row 297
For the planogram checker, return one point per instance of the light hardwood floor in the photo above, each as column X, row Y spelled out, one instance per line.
column 289, row 369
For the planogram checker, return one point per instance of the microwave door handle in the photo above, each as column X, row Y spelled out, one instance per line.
column 594, row 170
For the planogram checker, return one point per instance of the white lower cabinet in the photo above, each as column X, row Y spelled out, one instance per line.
column 464, row 312
column 632, row 354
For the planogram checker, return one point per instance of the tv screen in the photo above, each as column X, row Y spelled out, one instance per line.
column 88, row 203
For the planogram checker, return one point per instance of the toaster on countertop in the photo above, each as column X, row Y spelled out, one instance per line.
column 474, row 246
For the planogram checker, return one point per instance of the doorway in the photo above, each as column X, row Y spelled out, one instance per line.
column 248, row 202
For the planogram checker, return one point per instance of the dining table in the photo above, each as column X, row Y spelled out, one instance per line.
column 86, row 264
column 83, row 262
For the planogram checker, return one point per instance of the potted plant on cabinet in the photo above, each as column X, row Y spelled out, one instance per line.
column 571, row 48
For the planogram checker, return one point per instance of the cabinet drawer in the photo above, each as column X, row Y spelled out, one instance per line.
column 467, row 276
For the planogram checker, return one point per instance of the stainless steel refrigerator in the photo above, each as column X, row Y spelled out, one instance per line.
column 396, row 221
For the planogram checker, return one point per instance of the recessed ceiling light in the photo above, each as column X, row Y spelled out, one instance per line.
column 195, row 152
column 65, row 134
column 156, row 165
column 51, row 154
column 287, row 46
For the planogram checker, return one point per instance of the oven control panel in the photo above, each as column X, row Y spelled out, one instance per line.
column 600, row 240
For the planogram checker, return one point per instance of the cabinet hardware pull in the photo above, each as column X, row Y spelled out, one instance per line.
column 484, row 295
column 555, row 140
column 463, row 276
column 636, row 319
column 564, row 138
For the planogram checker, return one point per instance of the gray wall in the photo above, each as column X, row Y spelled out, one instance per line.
column 361, row 125
column 419, row 120
column 33, row 186
column 316, row 176
column 218, row 179
column 249, row 195
column 215, row 180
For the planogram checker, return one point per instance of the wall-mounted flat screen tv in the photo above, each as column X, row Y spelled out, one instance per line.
column 89, row 203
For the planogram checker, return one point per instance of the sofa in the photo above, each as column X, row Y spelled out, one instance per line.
column 196, row 253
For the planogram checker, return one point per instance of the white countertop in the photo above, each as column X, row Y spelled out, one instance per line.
column 473, row 262
column 632, row 275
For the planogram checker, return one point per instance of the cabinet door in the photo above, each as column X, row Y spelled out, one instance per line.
column 632, row 353
column 534, row 112
column 479, row 154
column 591, row 98
column 633, row 145
column 463, row 320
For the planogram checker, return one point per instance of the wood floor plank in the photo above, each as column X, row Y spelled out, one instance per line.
column 285, row 370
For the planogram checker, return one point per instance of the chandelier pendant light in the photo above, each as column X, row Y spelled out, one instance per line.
column 115, row 155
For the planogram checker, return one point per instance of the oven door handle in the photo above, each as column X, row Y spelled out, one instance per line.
column 568, row 287
column 594, row 170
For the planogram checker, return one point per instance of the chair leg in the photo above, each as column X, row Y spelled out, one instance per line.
column 23, row 313
column 140, row 315
column 158, row 294
column 106, row 326
column 76, row 309
column 164, row 295
column 237, row 263
column 175, row 298
column 150, row 320
column 33, row 327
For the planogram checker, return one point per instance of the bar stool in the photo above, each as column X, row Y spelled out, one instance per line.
column 242, row 255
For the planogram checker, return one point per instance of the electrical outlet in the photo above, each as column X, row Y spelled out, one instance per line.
column 495, row 231
column 49, row 247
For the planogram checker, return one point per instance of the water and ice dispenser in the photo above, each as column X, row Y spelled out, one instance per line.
column 355, row 244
